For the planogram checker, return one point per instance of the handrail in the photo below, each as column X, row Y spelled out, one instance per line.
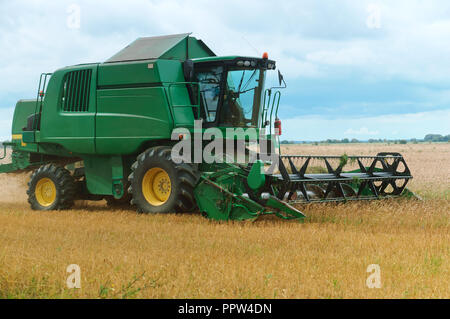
column 269, row 101
column 277, row 94
column 4, row 152
column 272, row 103
column 268, row 94
column 40, row 97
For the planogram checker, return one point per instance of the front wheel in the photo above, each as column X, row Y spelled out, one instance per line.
column 51, row 188
column 158, row 185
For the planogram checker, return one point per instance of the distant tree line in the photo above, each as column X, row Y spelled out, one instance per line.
column 427, row 138
column 436, row 138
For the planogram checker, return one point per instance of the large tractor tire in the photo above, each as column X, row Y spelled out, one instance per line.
column 158, row 185
column 51, row 188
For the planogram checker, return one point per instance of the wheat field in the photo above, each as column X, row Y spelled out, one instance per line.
column 123, row 254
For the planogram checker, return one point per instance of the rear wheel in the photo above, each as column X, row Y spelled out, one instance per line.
column 158, row 185
column 51, row 188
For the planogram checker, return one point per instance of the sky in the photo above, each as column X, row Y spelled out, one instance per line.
column 354, row 69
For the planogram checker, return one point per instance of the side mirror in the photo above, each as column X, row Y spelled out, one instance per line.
column 188, row 70
column 280, row 77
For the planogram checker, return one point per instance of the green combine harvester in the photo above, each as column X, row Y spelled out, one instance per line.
column 105, row 131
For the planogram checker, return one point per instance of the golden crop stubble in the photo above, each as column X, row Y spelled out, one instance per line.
column 124, row 254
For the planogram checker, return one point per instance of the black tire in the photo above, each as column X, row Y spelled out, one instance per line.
column 64, row 186
column 183, row 178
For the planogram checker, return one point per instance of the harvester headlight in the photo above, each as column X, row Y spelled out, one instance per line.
column 247, row 63
column 253, row 63
column 240, row 63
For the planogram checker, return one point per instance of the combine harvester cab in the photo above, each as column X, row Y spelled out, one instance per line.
column 107, row 131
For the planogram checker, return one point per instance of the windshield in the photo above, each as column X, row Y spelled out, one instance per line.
column 230, row 97
column 241, row 102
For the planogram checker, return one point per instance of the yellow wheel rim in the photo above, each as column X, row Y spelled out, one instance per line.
column 45, row 192
column 156, row 186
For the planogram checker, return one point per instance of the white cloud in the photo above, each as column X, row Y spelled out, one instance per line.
column 355, row 55
column 309, row 39
column 388, row 126
column 6, row 115
column 362, row 131
column 303, row 35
